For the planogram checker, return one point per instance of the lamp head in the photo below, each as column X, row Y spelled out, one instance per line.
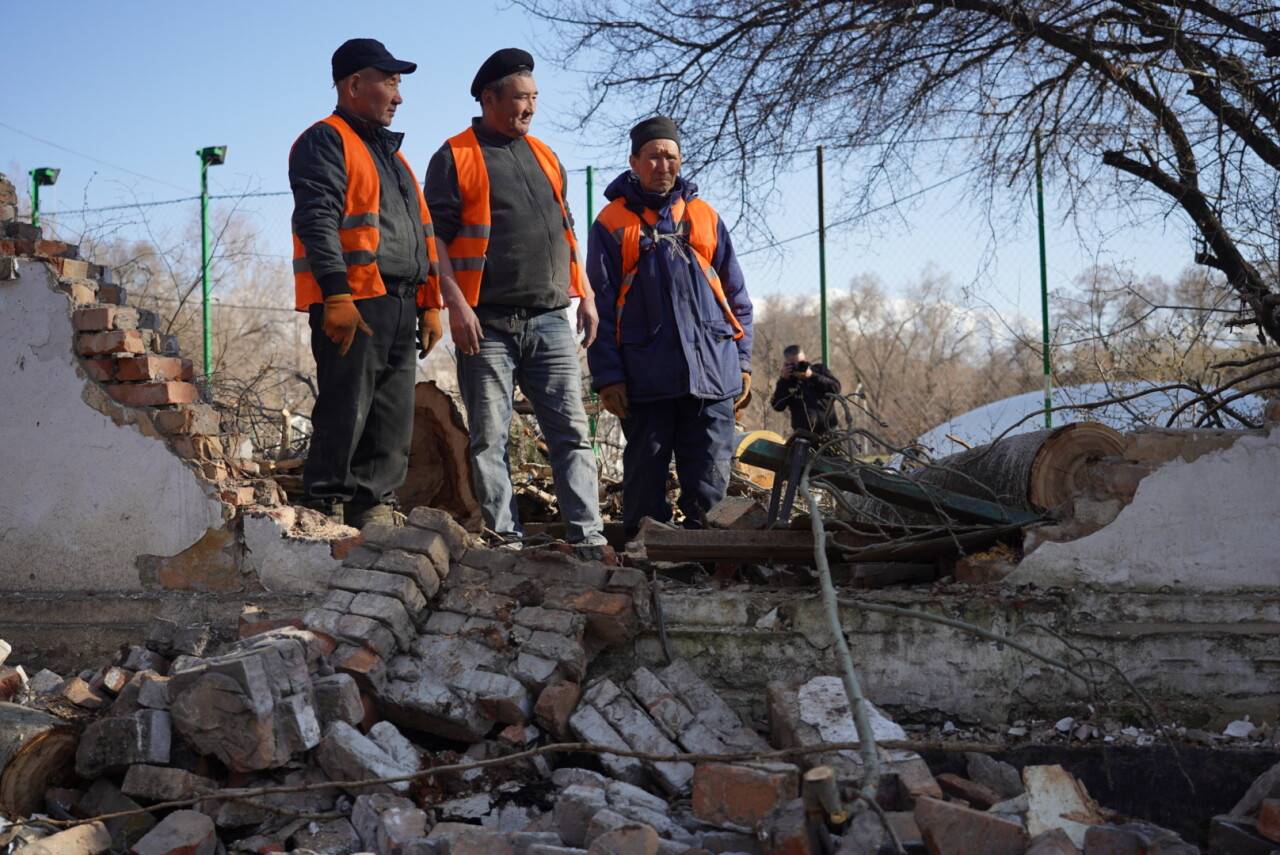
column 45, row 176
column 214, row 155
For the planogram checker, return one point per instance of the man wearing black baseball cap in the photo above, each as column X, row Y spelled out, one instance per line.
column 499, row 196
column 365, row 270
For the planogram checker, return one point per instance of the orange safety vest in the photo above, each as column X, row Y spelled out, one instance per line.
column 358, row 230
column 467, row 249
column 696, row 220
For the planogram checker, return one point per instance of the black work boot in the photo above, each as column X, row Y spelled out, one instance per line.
column 359, row 515
column 331, row 508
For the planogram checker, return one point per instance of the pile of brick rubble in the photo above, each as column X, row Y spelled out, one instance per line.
column 429, row 652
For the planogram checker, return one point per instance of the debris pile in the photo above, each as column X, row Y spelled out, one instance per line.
column 313, row 734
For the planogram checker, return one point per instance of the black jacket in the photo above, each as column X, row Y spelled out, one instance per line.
column 318, row 176
column 527, row 262
column 809, row 399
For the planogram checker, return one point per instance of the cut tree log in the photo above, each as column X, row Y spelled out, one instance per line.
column 37, row 751
column 1032, row 471
column 440, row 459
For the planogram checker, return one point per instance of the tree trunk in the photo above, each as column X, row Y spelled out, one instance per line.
column 37, row 751
column 440, row 459
column 1029, row 471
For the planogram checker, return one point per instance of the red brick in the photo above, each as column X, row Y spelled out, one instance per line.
column 956, row 830
column 103, row 343
column 149, row 367
column 239, row 497
column 198, row 448
column 11, row 682
column 974, row 793
column 1269, row 819
column 197, row 418
column 70, row 268
column 77, row 691
column 742, row 794
column 102, row 368
column 364, row 666
column 81, row 292
column 554, row 706
column 789, row 831
column 341, row 547
column 611, row 618
column 154, row 394
column 56, row 249
column 93, row 319
column 213, row 472
column 114, row 294
column 115, row 678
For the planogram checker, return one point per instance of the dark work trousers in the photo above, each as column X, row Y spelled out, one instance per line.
column 699, row 434
column 362, row 423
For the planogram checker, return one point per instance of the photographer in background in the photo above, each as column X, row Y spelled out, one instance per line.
column 806, row 388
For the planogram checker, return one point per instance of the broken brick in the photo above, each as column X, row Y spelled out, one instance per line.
column 347, row 755
column 742, row 794
column 416, row 567
column 338, row 699
column 1269, row 819
column 737, row 513
column 363, row 665
column 117, row 742
column 183, row 832
column 972, row 792
column 77, row 691
column 11, row 681
column 154, row 394
column 89, row 839
column 105, row 343
column 163, row 783
column 102, row 318
column 957, row 830
column 611, row 617
column 192, row 418
column 554, row 707
column 388, row 611
column 152, row 367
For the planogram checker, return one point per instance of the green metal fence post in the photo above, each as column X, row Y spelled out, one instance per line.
column 214, row 155
column 1044, row 292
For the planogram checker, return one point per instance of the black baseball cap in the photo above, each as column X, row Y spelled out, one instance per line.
column 355, row 54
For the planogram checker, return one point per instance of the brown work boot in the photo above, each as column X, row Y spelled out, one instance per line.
column 360, row 516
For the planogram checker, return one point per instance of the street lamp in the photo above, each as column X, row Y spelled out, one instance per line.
column 45, row 176
column 214, row 155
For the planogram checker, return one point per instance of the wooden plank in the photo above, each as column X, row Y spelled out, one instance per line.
column 790, row 547
column 895, row 489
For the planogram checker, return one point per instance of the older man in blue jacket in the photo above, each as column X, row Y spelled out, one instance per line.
column 672, row 359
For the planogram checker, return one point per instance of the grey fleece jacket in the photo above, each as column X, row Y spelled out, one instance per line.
column 527, row 262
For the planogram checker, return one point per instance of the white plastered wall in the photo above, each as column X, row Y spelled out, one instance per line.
column 80, row 496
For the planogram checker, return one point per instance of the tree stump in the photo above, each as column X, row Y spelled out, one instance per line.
column 37, row 751
column 440, row 459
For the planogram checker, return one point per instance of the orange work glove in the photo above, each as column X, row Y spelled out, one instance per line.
column 342, row 320
column 742, row 400
column 614, row 399
column 429, row 331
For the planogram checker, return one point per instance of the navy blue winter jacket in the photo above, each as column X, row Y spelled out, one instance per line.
column 674, row 339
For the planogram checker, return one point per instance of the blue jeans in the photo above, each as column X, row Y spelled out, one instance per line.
column 542, row 355
column 699, row 434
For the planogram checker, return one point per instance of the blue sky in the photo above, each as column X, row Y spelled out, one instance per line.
column 142, row 85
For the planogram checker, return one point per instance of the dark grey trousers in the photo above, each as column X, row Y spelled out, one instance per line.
column 362, row 423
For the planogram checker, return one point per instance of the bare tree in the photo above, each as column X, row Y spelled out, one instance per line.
column 1174, row 102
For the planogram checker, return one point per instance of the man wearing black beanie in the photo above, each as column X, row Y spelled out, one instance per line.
column 673, row 356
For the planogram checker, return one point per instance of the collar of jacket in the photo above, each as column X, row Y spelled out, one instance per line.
column 488, row 136
column 371, row 132
column 627, row 186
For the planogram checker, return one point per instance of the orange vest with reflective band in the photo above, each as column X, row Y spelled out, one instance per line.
column 696, row 220
column 467, row 249
column 358, row 230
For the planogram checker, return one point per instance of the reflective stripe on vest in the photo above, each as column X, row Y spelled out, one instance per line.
column 358, row 230
column 696, row 221
column 469, row 245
